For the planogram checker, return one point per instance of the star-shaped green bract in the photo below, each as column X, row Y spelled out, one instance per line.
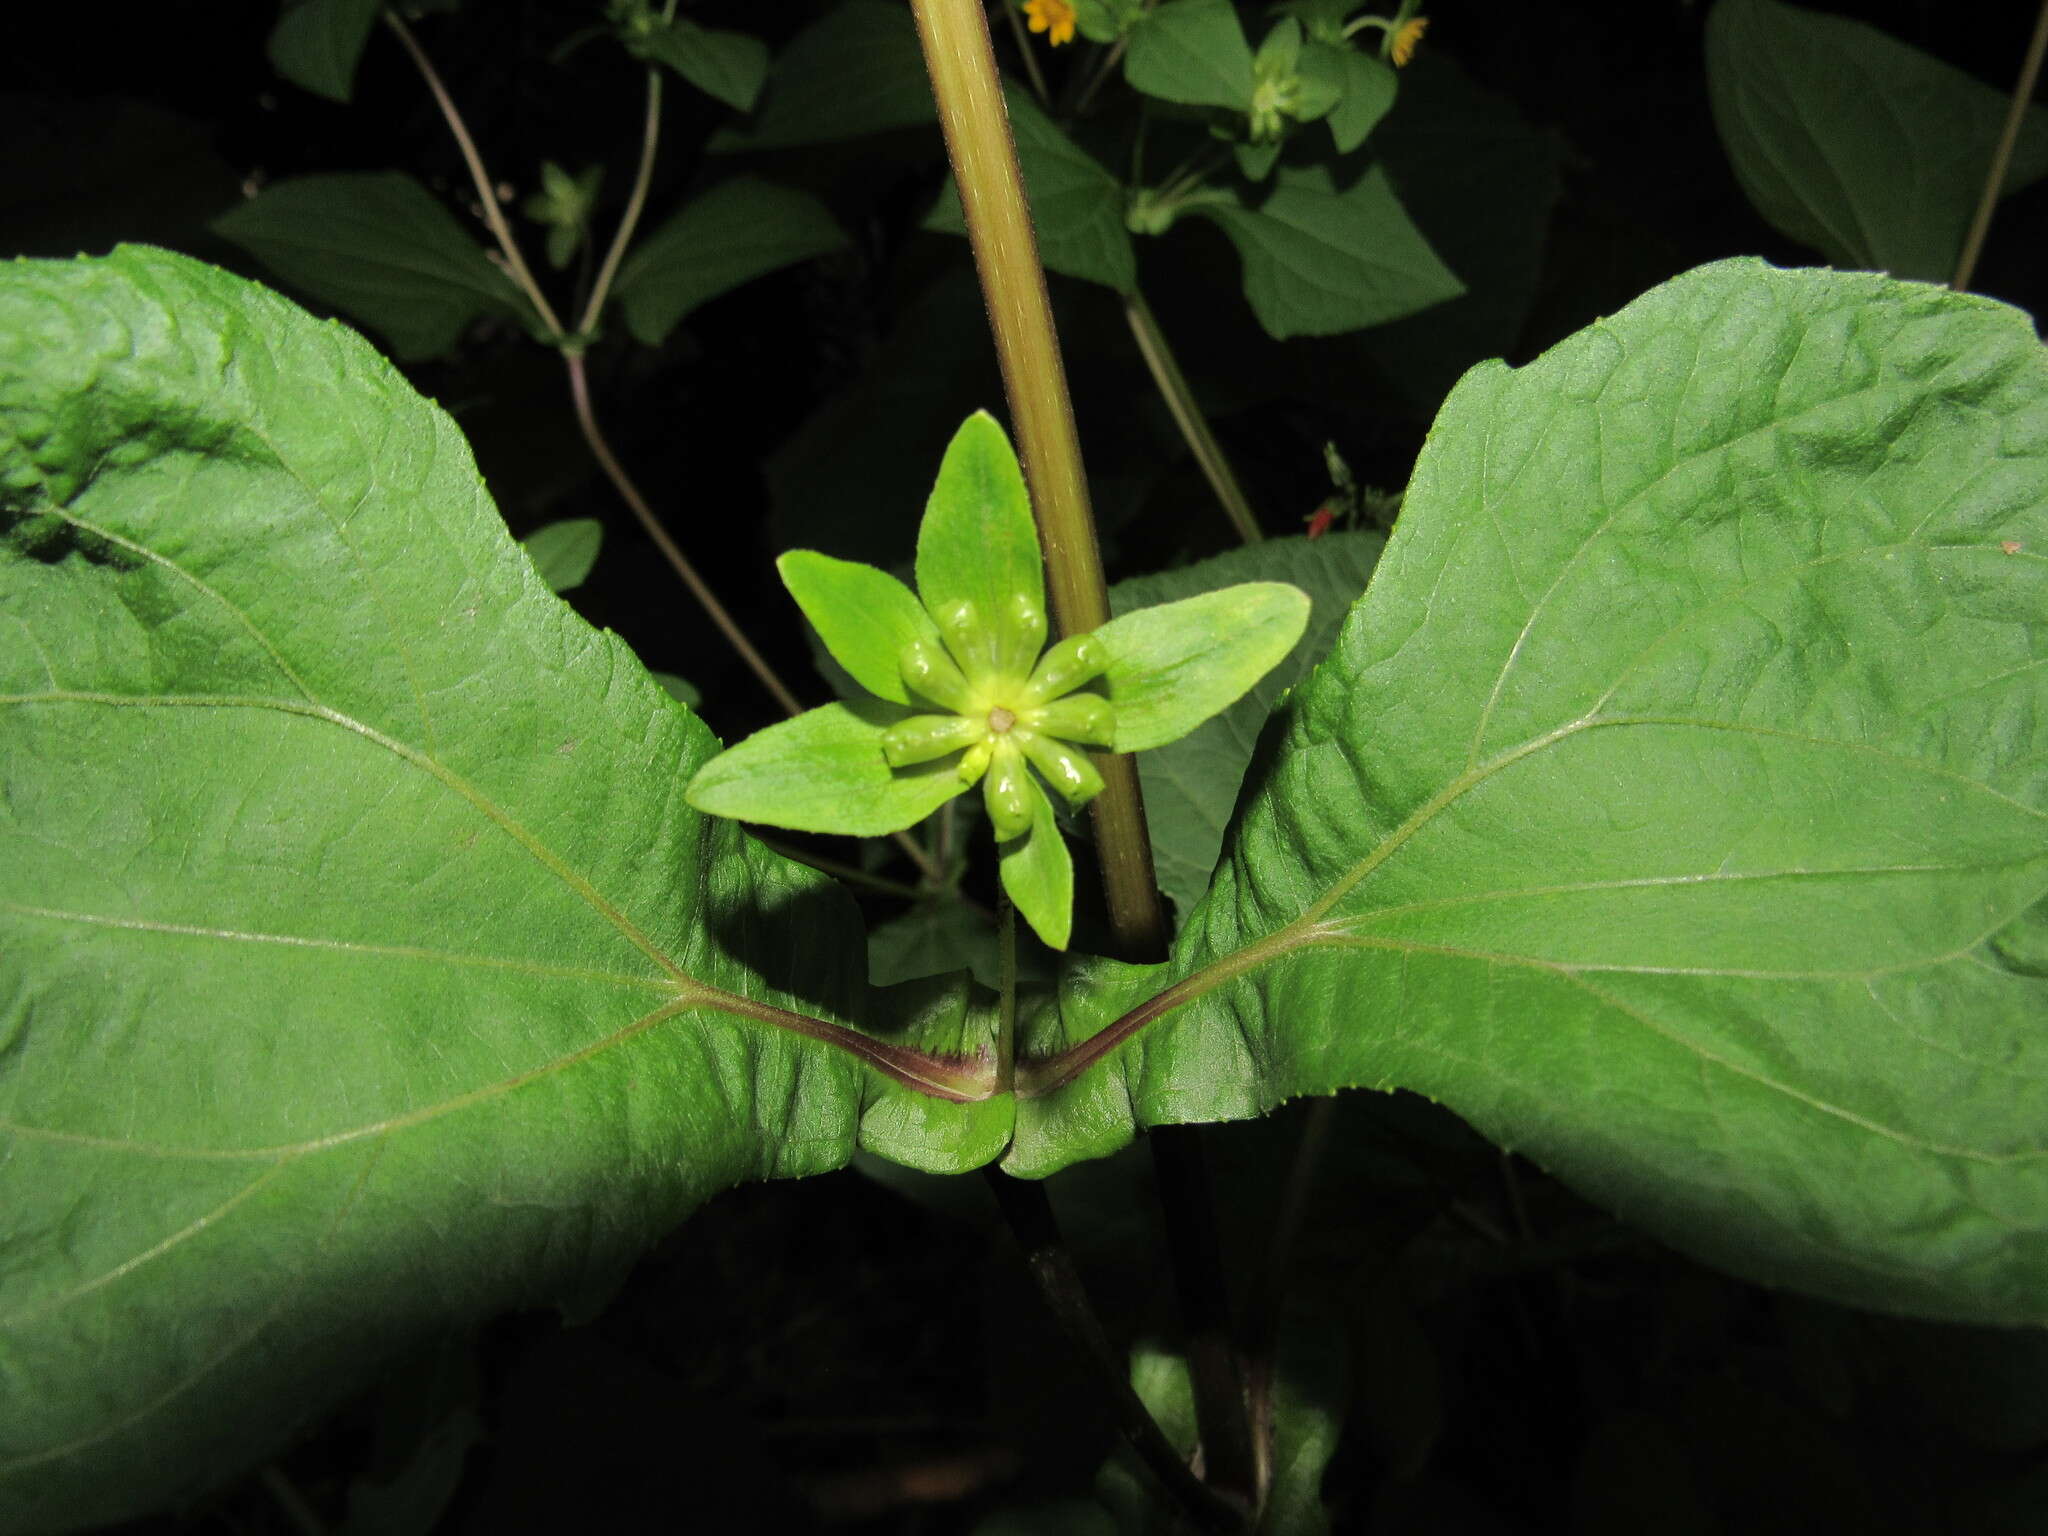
column 966, row 691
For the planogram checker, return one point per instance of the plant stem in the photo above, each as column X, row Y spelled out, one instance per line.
column 1180, row 400
column 1269, row 1294
column 292, row 1502
column 961, row 60
column 1102, row 74
column 579, row 392
column 1006, row 980
column 1180, row 1160
column 1024, row 50
column 1029, row 1215
column 650, row 134
column 486, row 189
column 2001, row 157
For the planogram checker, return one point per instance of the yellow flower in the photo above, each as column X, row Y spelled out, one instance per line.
column 1051, row 16
column 1405, row 40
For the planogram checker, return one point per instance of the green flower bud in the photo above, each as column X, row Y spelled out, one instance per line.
column 1066, row 768
column 970, row 641
column 1066, row 667
column 929, row 671
column 1021, row 638
column 923, row 738
column 1007, row 791
column 1083, row 717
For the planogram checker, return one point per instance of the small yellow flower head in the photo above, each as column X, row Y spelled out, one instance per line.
column 1055, row 17
column 1408, row 39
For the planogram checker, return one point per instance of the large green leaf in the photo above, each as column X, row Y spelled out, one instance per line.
column 1854, row 143
column 738, row 231
column 318, row 43
column 1319, row 259
column 857, row 70
column 1077, row 207
column 379, row 248
column 361, row 968
column 1192, row 784
column 1674, row 806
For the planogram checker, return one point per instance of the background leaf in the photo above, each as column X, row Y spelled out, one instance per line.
column 340, row 1009
column 856, row 71
column 727, row 65
column 1854, row 143
column 317, row 44
column 737, row 231
column 563, row 552
column 1193, row 52
column 1661, row 807
column 1191, row 785
column 379, row 248
column 1319, row 259
column 1077, row 207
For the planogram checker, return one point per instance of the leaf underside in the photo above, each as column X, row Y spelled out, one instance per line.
column 1674, row 806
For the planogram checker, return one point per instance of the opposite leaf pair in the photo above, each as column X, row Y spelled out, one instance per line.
column 966, row 691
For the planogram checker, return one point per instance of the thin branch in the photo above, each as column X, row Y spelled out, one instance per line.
column 1187, row 415
column 1102, row 73
column 1030, row 58
column 650, row 133
column 2001, row 157
column 1269, row 1293
column 1029, row 1214
column 292, row 1502
column 486, row 189
column 1180, row 1159
column 579, row 392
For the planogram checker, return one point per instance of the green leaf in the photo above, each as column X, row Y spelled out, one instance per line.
column 1369, row 91
column 977, row 543
column 1173, row 666
column 865, row 617
column 1663, row 804
column 1307, row 1397
column 563, row 552
column 857, row 70
column 824, row 772
column 727, row 65
column 317, row 44
column 1193, row 52
column 378, row 247
column 932, row 939
column 1191, row 784
column 365, row 972
column 734, row 233
column 1077, row 207
column 1318, row 260
column 681, row 689
column 1854, row 143
column 1038, row 872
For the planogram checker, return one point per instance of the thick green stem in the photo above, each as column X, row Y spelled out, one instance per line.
column 2001, row 157
column 961, row 60
column 1180, row 400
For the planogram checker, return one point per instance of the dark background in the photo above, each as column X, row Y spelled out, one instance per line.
column 860, row 1353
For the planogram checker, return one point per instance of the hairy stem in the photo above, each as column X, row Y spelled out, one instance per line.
column 961, row 60
column 486, row 189
column 2001, row 157
column 636, row 201
column 1187, row 415
column 1029, row 1214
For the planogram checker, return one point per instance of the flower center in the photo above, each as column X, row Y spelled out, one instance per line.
column 1000, row 719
